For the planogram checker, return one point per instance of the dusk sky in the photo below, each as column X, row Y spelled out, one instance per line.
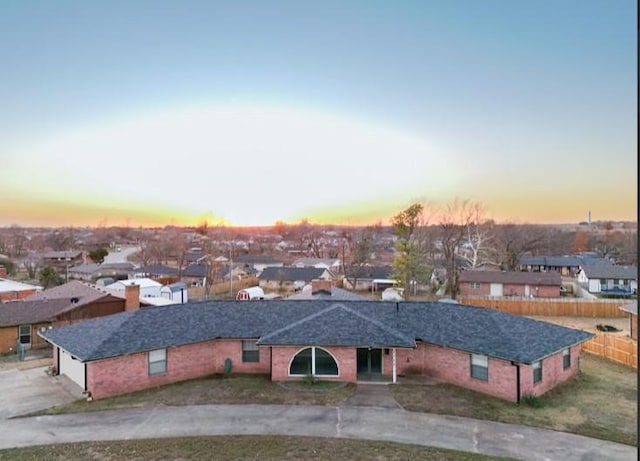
column 343, row 112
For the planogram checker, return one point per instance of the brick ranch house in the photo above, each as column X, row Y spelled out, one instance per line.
column 486, row 350
column 509, row 283
column 59, row 306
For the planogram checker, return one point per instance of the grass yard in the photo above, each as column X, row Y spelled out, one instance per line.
column 235, row 389
column 259, row 448
column 601, row 402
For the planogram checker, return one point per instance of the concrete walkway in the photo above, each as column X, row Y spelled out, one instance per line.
column 353, row 422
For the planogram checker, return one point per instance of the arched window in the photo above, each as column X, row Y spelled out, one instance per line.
column 314, row 361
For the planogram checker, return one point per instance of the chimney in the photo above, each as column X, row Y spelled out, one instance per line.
column 3, row 272
column 132, row 295
column 321, row 285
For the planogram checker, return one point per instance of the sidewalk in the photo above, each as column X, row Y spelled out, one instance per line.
column 490, row 438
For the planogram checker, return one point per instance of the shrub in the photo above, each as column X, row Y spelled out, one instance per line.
column 532, row 401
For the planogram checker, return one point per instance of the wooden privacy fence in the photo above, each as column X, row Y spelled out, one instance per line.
column 615, row 348
column 551, row 307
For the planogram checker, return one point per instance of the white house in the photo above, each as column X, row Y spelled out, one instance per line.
column 148, row 288
column 609, row 278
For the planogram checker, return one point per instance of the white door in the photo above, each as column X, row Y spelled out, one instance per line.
column 527, row 291
column 496, row 289
column 71, row 367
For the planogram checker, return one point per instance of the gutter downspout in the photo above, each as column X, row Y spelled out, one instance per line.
column 517, row 365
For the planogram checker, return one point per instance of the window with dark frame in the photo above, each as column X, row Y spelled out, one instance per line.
column 313, row 361
column 480, row 367
column 157, row 362
column 566, row 359
column 250, row 351
column 24, row 334
column 475, row 285
column 537, row 372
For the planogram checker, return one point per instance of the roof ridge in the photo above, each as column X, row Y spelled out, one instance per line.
column 124, row 318
column 378, row 324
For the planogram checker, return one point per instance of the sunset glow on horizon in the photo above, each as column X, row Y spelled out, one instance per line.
column 346, row 114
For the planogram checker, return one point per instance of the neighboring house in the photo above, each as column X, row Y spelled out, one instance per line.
column 566, row 265
column 156, row 271
column 61, row 305
column 486, row 350
column 609, row 279
column 632, row 310
column 324, row 289
column 92, row 272
column 61, row 260
column 373, row 278
column 257, row 262
column 195, row 274
column 195, row 257
column 176, row 292
column 11, row 290
column 509, row 283
column 290, row 278
column 148, row 288
column 333, row 264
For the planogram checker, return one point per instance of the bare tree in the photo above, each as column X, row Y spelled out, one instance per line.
column 18, row 239
column 514, row 241
column 478, row 237
column 453, row 225
column 32, row 265
column 357, row 256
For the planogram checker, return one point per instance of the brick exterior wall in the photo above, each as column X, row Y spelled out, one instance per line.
column 121, row 375
column 9, row 338
column 454, row 366
column 537, row 291
column 129, row 373
column 552, row 373
column 15, row 295
column 344, row 356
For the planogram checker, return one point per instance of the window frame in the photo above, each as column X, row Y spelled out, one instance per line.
column 313, row 363
column 250, row 351
column 566, row 358
column 537, row 371
column 21, row 334
column 157, row 366
column 475, row 285
column 479, row 371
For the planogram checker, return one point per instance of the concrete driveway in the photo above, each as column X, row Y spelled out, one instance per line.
column 26, row 389
column 353, row 422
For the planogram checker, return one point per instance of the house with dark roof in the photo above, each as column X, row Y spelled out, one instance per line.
column 92, row 272
column 291, row 278
column 509, row 283
column 369, row 278
column 486, row 350
column 609, row 279
column 567, row 265
column 156, row 271
column 61, row 305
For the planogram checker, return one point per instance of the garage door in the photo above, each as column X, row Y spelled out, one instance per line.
column 496, row 289
column 71, row 367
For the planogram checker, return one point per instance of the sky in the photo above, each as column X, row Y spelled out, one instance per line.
column 150, row 113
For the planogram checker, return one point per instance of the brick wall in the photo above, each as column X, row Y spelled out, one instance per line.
column 552, row 373
column 9, row 338
column 454, row 367
column 542, row 291
column 129, row 373
column 14, row 295
column 344, row 356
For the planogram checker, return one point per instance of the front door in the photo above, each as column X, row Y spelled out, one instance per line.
column 369, row 360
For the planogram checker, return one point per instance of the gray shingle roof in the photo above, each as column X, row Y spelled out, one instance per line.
column 291, row 273
column 472, row 329
column 611, row 271
column 338, row 325
column 511, row 277
column 157, row 269
column 337, row 294
column 30, row 312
